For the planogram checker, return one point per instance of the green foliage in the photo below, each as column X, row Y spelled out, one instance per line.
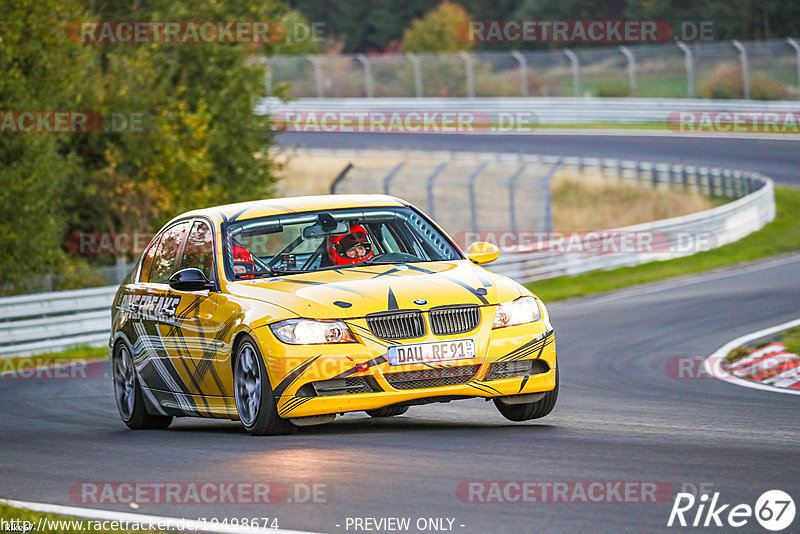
column 440, row 30
column 199, row 142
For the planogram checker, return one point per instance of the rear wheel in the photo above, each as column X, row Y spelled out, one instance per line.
column 255, row 402
column 387, row 411
column 530, row 410
column 128, row 393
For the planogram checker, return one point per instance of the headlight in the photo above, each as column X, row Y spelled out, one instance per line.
column 520, row 311
column 309, row 332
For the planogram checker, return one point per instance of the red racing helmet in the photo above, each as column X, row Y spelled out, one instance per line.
column 347, row 249
column 243, row 260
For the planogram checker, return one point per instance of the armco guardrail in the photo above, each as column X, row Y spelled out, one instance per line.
column 526, row 113
column 708, row 229
column 51, row 322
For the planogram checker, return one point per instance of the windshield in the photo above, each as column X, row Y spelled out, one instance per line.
column 318, row 240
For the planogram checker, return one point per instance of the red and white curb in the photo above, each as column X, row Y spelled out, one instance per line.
column 172, row 523
column 772, row 368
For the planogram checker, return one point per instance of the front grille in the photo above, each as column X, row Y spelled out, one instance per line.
column 454, row 319
column 341, row 386
column 397, row 325
column 501, row 370
column 432, row 378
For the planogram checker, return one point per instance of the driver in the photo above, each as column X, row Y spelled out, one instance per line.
column 350, row 249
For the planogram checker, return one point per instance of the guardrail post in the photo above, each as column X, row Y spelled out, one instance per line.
column 369, row 89
column 547, row 208
column 417, row 73
column 745, row 68
column 429, row 186
column 631, row 68
column 689, row 60
column 473, row 203
column 512, row 188
column 340, row 177
column 523, row 73
column 576, row 71
column 318, row 75
column 469, row 72
column 796, row 47
column 387, row 181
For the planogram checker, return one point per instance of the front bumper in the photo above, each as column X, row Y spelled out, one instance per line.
column 297, row 396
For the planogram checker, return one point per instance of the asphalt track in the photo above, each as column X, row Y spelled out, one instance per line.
column 620, row 417
column 777, row 158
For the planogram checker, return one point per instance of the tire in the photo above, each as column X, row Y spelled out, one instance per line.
column 387, row 411
column 128, row 393
column 531, row 410
column 255, row 402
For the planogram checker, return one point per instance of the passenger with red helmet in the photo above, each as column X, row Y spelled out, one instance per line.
column 352, row 248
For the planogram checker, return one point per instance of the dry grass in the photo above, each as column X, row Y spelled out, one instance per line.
column 312, row 175
column 587, row 202
column 580, row 201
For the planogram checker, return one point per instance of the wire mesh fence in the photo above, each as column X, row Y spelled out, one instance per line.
column 768, row 70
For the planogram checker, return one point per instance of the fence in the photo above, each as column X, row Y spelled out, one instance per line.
column 733, row 69
column 50, row 322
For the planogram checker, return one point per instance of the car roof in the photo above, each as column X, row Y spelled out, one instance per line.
column 278, row 206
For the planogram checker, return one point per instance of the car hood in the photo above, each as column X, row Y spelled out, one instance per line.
column 357, row 291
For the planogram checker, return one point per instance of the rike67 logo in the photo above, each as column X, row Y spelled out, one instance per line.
column 774, row 510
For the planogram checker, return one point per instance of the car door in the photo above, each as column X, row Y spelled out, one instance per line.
column 158, row 310
column 199, row 333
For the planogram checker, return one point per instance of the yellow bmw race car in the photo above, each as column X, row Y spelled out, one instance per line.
column 287, row 312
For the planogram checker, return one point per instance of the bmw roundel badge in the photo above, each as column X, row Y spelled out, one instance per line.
column 420, row 302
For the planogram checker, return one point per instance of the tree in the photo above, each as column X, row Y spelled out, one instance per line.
column 440, row 30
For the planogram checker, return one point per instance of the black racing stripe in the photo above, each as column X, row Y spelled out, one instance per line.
column 419, row 269
column 392, row 304
column 528, row 348
column 487, row 386
column 467, row 287
column 238, row 213
column 370, row 363
column 291, row 377
column 478, row 387
column 482, row 279
column 224, row 217
column 366, row 333
column 524, row 381
column 295, row 403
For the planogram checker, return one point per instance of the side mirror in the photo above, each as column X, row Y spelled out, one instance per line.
column 481, row 253
column 190, row 280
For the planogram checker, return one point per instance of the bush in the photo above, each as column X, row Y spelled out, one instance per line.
column 726, row 82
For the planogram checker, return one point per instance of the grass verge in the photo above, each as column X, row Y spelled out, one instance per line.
column 77, row 353
column 779, row 236
column 55, row 523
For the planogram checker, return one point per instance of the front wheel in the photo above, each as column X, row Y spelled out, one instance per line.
column 255, row 402
column 530, row 410
column 128, row 393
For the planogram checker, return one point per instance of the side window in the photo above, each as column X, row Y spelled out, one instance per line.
column 199, row 252
column 166, row 254
column 147, row 261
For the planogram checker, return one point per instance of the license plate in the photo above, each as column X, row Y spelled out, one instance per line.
column 437, row 351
